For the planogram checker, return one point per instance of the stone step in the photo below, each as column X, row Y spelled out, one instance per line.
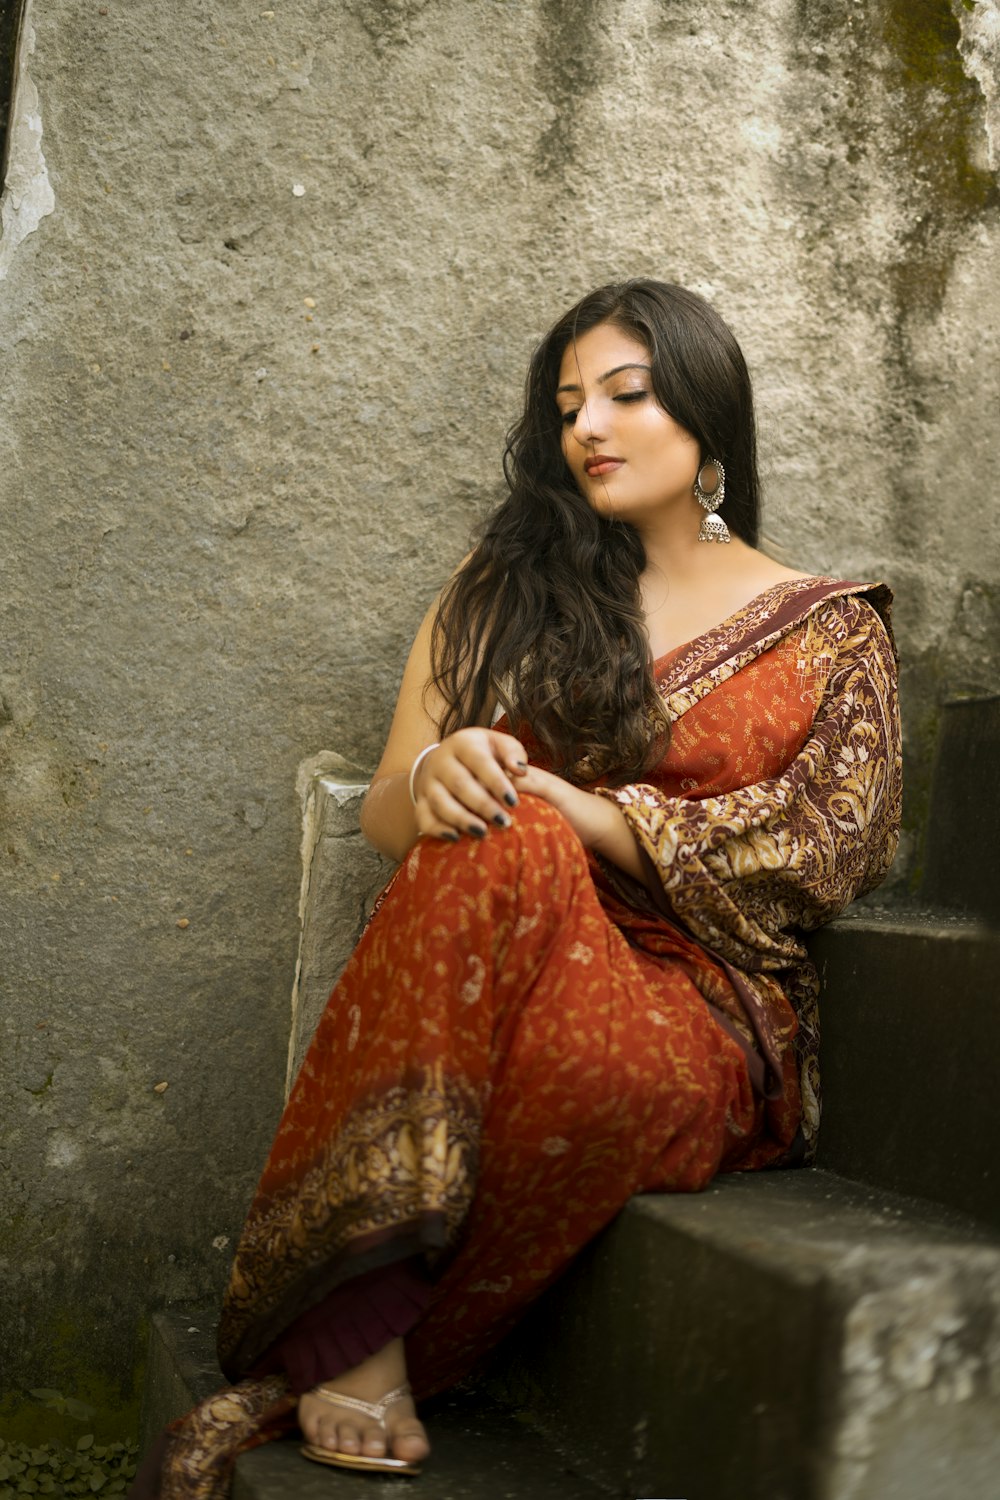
column 783, row 1336
column 481, row 1451
column 963, row 826
column 910, row 1055
column 341, row 876
column 181, row 1368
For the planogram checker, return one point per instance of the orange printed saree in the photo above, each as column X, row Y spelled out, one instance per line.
column 525, row 1037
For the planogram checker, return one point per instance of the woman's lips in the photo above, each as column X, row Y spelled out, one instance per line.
column 602, row 464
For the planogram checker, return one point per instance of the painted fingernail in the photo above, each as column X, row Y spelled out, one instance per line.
column 522, row 765
column 510, row 799
column 451, row 836
column 476, row 831
column 501, row 820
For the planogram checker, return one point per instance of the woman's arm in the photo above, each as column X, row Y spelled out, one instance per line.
column 463, row 785
column 388, row 817
column 747, row 871
column 600, row 825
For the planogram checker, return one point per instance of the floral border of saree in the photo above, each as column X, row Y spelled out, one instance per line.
column 748, row 872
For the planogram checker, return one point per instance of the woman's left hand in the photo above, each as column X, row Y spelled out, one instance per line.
column 598, row 823
column 590, row 817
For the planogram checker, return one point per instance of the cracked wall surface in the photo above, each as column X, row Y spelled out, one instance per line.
column 257, row 363
column 979, row 47
column 27, row 191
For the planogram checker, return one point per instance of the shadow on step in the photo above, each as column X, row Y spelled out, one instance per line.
column 482, row 1451
column 787, row 1336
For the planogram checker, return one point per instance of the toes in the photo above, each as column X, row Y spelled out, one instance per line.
column 312, row 1421
column 346, row 1437
column 324, row 1433
column 334, row 1435
column 409, row 1441
column 341, row 1435
column 337, row 1432
column 374, row 1442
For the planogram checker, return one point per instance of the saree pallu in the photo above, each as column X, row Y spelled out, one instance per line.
column 525, row 1037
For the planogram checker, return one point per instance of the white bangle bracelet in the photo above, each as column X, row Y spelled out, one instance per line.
column 416, row 766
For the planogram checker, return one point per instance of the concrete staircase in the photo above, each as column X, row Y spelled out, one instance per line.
column 482, row 1450
column 826, row 1334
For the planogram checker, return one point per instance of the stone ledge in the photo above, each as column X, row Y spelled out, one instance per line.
column 341, row 876
column 785, row 1336
column 846, row 1341
column 910, row 1055
column 182, row 1368
column 963, row 826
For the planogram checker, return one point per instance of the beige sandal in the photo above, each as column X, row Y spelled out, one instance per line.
column 374, row 1409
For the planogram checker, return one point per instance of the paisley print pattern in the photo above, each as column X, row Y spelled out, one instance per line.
column 748, row 865
column 525, row 1036
column 201, row 1450
column 405, row 1154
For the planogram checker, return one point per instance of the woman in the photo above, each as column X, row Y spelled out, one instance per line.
column 625, row 772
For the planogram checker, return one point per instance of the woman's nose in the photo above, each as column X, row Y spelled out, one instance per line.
column 589, row 423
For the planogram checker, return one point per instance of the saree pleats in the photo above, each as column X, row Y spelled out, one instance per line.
column 497, row 1073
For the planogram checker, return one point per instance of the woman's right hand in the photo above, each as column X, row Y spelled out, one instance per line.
column 468, row 782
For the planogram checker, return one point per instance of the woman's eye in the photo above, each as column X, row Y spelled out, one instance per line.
column 632, row 396
column 568, row 418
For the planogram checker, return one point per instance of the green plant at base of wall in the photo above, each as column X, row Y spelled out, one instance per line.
column 59, row 1357
column 89, row 1469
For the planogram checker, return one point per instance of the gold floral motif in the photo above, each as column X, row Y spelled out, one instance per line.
column 750, row 871
column 410, row 1152
column 203, row 1446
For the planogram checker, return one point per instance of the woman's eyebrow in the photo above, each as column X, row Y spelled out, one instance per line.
column 632, row 365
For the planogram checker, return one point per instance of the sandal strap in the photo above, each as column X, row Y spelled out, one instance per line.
column 374, row 1409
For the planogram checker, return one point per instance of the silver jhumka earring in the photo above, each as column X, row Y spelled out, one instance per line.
column 713, row 527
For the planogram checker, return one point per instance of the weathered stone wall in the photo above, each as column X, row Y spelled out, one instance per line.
column 256, row 364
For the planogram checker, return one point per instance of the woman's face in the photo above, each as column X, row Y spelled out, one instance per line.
column 628, row 456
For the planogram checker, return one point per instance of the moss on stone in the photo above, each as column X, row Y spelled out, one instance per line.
column 937, row 123
column 24, row 1419
column 936, row 120
column 568, row 45
column 907, row 103
column 67, row 1349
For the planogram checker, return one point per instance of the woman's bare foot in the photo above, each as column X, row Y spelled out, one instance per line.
column 345, row 1431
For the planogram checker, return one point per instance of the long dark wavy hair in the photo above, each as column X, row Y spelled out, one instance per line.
column 545, row 617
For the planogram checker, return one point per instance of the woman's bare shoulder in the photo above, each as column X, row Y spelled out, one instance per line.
column 765, row 571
